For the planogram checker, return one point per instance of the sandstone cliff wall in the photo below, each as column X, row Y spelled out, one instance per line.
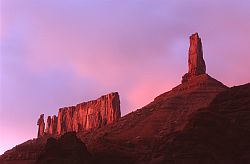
column 84, row 116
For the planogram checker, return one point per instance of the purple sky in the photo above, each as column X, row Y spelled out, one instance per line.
column 60, row 53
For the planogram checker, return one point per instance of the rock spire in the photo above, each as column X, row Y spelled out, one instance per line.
column 196, row 63
column 41, row 126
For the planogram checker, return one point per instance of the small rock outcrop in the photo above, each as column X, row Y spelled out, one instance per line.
column 67, row 149
column 41, row 126
column 196, row 63
column 84, row 116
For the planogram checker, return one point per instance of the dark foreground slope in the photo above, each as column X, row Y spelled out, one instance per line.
column 67, row 149
column 219, row 133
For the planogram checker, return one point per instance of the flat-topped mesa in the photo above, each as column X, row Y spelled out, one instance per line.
column 84, row 116
column 196, row 63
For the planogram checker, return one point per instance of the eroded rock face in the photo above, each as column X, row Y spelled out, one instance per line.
column 84, row 116
column 87, row 115
column 51, row 126
column 196, row 63
column 41, row 126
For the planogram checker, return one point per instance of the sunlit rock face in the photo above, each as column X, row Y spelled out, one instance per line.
column 51, row 126
column 84, row 116
column 196, row 63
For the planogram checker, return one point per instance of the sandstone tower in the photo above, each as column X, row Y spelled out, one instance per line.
column 41, row 126
column 196, row 63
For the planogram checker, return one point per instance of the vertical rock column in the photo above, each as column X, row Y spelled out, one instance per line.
column 48, row 125
column 51, row 126
column 196, row 63
column 41, row 126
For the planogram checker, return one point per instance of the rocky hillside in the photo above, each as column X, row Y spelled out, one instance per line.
column 133, row 138
column 217, row 134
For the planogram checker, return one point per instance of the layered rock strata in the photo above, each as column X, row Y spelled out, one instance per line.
column 84, row 116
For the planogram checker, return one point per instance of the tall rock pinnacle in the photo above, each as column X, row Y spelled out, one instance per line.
column 196, row 63
column 41, row 126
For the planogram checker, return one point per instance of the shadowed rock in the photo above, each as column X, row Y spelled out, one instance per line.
column 41, row 126
column 68, row 149
column 217, row 134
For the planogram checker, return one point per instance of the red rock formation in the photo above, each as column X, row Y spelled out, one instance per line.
column 84, row 116
column 218, row 133
column 51, row 126
column 41, row 126
column 196, row 63
column 47, row 130
column 184, row 125
column 87, row 115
